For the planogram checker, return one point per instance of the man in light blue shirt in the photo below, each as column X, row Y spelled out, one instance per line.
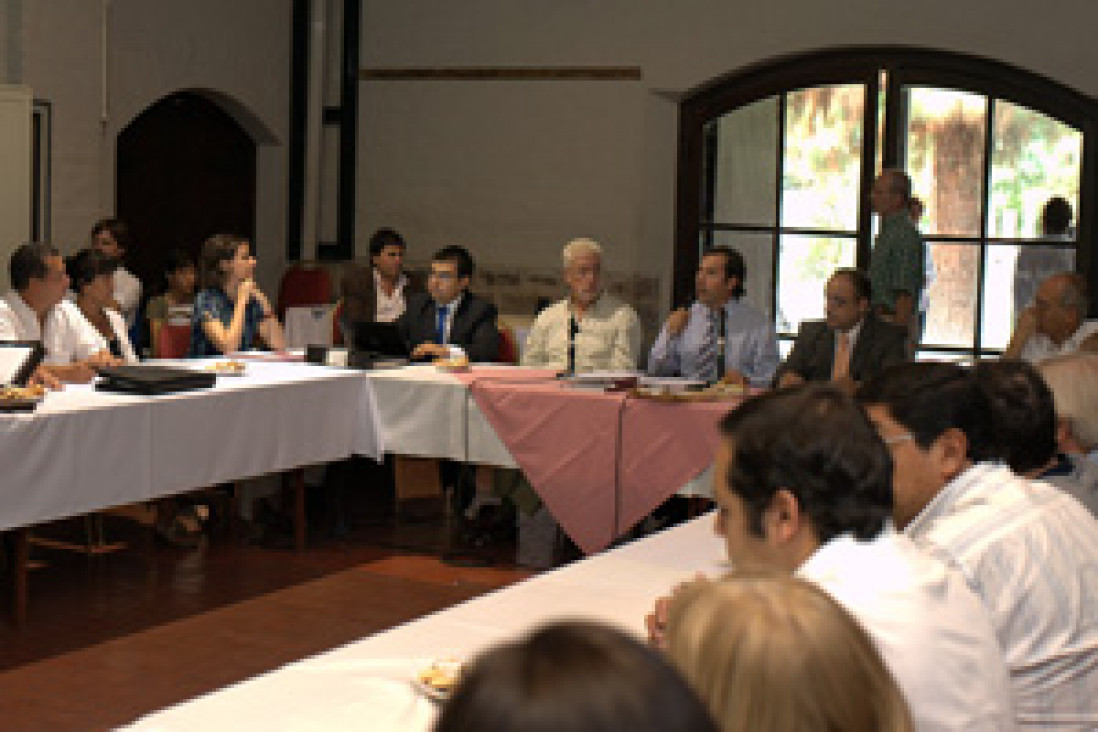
column 689, row 343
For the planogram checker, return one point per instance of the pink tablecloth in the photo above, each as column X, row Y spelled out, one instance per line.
column 663, row 446
column 566, row 442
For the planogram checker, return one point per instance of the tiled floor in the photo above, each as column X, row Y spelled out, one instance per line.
column 113, row 637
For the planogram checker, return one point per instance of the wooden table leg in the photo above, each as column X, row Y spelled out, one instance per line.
column 298, row 478
column 20, row 557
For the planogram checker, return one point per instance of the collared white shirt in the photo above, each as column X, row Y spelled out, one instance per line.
column 453, row 306
column 388, row 308
column 67, row 335
column 1030, row 551
column 1040, row 346
column 930, row 628
column 608, row 337
column 127, row 293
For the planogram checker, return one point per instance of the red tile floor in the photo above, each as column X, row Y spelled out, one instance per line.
column 114, row 636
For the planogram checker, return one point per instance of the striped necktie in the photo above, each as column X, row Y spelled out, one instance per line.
column 707, row 351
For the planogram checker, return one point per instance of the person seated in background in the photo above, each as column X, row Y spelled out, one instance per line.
column 448, row 320
column 1056, row 322
column 803, row 486
column 378, row 293
column 230, row 312
column 1028, row 549
column 92, row 276
column 1025, row 430
column 851, row 344
column 176, row 303
column 1035, row 263
column 602, row 332
column 572, row 677
column 746, row 641
column 1073, row 380
column 35, row 309
column 111, row 237
column 690, row 342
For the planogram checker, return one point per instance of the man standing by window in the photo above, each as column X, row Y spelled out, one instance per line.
column 897, row 266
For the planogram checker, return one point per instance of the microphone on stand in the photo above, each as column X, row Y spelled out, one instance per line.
column 573, row 331
column 721, row 333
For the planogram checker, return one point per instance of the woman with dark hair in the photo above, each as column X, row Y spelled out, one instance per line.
column 573, row 677
column 92, row 275
column 176, row 303
column 230, row 312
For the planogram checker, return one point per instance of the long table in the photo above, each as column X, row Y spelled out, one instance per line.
column 368, row 684
column 600, row 462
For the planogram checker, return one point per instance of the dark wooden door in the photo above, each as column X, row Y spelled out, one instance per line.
column 186, row 170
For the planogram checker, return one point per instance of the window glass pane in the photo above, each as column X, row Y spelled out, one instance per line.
column 804, row 264
column 945, row 157
column 822, row 157
column 747, row 165
column 1034, row 158
column 951, row 295
column 1017, row 269
column 758, row 259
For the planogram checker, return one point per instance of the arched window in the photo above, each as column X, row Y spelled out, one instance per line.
column 778, row 162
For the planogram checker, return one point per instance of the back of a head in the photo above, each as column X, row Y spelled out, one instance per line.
column 573, row 677
column 817, row 443
column 928, row 398
column 1056, row 216
column 770, row 652
column 87, row 264
column 1073, row 380
column 1022, row 411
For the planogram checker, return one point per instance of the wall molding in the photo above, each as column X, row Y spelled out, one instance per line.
column 503, row 73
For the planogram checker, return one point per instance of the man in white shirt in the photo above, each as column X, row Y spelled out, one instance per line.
column 690, row 343
column 110, row 236
column 35, row 310
column 1056, row 323
column 590, row 330
column 1029, row 550
column 802, row 483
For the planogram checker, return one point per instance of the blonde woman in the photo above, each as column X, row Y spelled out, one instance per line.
column 766, row 651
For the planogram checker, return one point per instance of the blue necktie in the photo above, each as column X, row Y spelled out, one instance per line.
column 440, row 323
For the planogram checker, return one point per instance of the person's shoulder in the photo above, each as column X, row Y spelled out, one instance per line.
column 616, row 307
column 480, row 305
column 878, row 329
column 811, row 329
column 749, row 313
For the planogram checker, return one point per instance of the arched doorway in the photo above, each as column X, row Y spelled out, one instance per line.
column 186, row 169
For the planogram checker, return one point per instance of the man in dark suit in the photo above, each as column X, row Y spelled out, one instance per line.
column 378, row 293
column 851, row 345
column 448, row 316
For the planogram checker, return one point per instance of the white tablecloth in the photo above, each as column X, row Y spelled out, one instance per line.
column 84, row 450
column 367, row 684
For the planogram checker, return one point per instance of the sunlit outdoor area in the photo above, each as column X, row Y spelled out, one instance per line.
column 986, row 247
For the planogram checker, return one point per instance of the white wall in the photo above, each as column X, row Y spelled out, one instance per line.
column 239, row 49
column 515, row 168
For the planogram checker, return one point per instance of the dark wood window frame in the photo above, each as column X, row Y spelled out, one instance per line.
column 904, row 67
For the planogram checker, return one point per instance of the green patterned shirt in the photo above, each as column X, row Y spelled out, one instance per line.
column 897, row 263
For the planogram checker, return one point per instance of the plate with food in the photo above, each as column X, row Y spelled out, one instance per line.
column 453, row 364
column 439, row 680
column 21, row 398
column 227, row 368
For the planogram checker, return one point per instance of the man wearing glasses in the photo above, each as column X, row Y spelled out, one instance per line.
column 449, row 320
column 35, row 310
column 851, row 345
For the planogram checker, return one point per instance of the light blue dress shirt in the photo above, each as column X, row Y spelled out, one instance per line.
column 750, row 345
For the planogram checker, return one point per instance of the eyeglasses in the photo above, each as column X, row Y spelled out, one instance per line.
column 442, row 275
column 896, row 439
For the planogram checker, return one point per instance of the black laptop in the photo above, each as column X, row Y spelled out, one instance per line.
column 377, row 345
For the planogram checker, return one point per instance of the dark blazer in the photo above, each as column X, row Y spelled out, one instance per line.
column 879, row 345
column 359, row 298
column 473, row 327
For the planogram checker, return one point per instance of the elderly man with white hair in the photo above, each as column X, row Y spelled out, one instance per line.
column 589, row 330
column 1073, row 380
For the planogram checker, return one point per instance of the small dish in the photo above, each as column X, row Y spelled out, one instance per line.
column 438, row 681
